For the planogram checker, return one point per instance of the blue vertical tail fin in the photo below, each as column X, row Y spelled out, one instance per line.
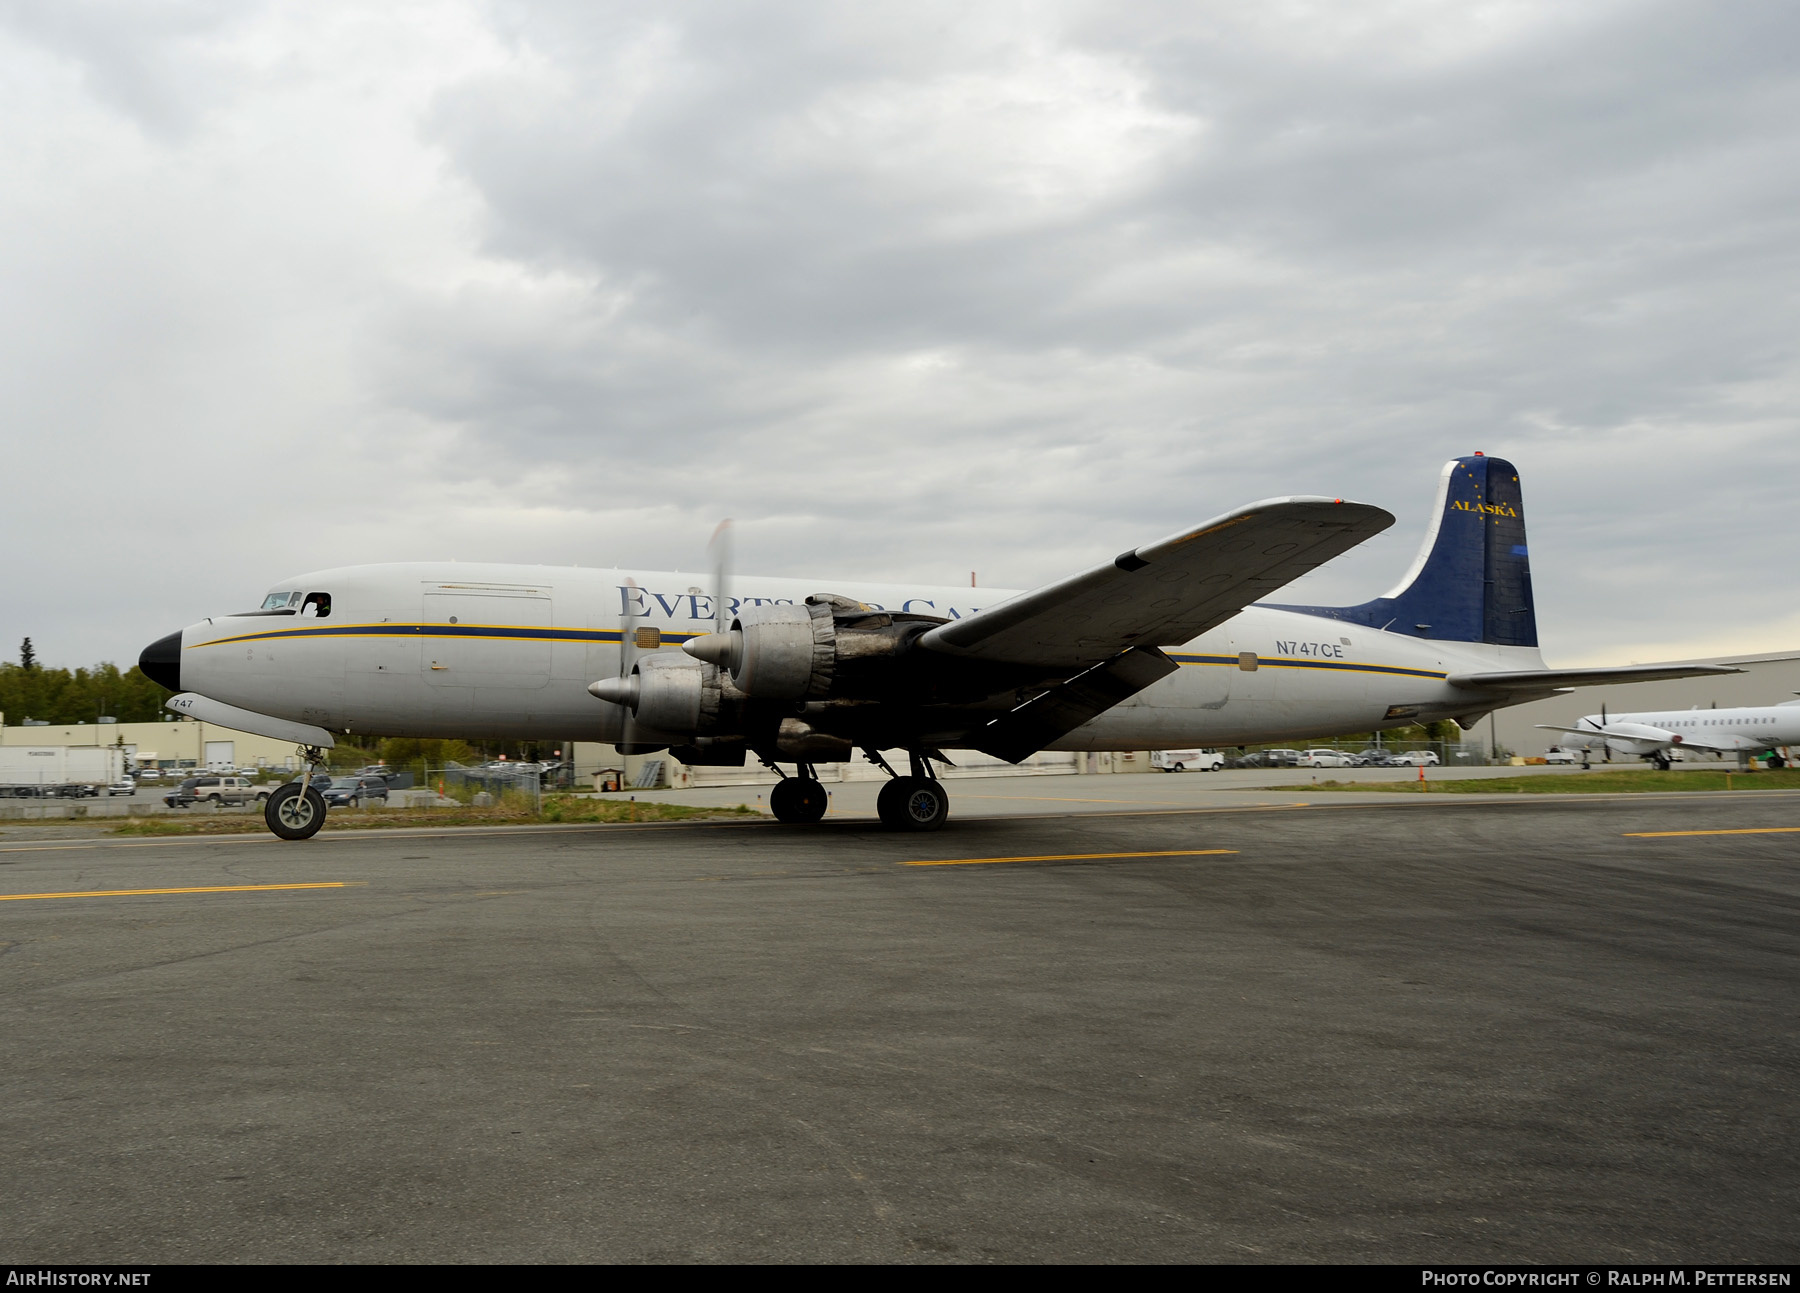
column 1471, row 581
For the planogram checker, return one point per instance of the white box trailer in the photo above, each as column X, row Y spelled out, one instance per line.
column 1182, row 760
column 59, row 771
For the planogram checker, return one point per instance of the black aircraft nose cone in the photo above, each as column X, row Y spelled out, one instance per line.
column 161, row 661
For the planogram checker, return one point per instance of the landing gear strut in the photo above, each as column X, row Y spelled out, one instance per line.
column 915, row 803
column 800, row 798
column 296, row 811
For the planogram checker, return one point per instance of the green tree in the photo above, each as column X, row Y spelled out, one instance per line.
column 27, row 656
column 79, row 695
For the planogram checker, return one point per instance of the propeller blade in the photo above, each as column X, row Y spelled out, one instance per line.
column 720, row 548
column 628, row 654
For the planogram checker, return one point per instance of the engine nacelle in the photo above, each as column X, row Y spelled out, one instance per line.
column 784, row 652
column 826, row 647
column 667, row 693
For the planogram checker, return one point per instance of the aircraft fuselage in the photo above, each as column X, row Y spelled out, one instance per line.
column 503, row 651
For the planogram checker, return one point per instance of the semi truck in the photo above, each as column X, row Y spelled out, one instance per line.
column 59, row 771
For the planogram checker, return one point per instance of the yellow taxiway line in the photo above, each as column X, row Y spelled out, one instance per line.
column 1741, row 830
column 210, row 888
column 1071, row 857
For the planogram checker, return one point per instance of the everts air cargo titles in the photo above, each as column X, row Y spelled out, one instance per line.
column 1166, row 645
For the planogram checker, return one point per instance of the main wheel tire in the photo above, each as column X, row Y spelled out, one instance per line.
column 798, row 800
column 913, row 804
column 294, row 814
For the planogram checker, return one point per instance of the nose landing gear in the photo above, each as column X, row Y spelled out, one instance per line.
column 296, row 811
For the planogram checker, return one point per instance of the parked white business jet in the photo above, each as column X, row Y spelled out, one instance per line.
column 1162, row 646
column 1745, row 730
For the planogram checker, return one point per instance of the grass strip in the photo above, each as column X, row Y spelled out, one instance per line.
column 1597, row 782
column 556, row 808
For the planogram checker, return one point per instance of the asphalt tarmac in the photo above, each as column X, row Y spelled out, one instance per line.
column 1437, row 1030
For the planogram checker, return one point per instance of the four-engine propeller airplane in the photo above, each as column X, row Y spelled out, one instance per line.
column 1165, row 645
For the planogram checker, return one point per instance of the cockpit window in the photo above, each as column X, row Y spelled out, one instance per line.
column 317, row 605
column 275, row 601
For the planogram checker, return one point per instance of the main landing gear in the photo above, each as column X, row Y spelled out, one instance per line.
column 912, row 803
column 915, row 803
column 296, row 811
column 800, row 798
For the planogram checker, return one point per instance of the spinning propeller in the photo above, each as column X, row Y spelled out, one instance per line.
column 623, row 690
column 634, row 639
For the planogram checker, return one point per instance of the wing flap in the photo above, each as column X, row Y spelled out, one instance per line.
column 1029, row 728
column 1164, row 593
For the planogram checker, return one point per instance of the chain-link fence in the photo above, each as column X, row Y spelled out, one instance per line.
column 1368, row 754
column 520, row 784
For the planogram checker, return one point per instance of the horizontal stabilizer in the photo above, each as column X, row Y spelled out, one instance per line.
column 1536, row 680
column 1059, row 711
column 1164, row 593
column 190, row 705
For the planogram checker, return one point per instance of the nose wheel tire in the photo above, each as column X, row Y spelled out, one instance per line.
column 798, row 800
column 293, row 814
column 912, row 804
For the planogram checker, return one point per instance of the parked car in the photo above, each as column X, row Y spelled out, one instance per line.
column 1323, row 758
column 1416, row 759
column 319, row 782
column 126, row 787
column 353, row 791
column 1282, row 758
column 1374, row 757
column 385, row 771
column 1182, row 760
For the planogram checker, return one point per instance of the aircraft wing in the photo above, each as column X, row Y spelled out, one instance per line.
column 1536, row 680
column 1167, row 592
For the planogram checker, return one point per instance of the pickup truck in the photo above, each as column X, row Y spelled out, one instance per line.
column 216, row 791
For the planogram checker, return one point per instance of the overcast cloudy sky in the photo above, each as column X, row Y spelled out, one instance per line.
column 907, row 289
